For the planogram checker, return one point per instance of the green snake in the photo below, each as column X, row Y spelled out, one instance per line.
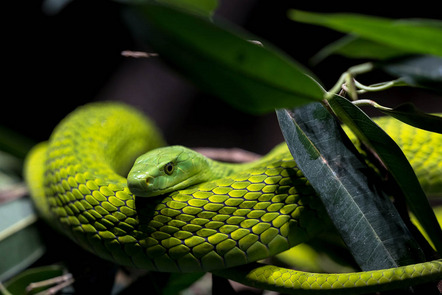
column 214, row 217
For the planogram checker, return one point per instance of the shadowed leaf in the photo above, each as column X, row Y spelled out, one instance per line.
column 364, row 216
column 409, row 114
column 220, row 59
column 395, row 162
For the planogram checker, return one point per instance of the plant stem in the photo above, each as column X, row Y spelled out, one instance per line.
column 368, row 102
column 348, row 78
column 378, row 87
column 353, row 88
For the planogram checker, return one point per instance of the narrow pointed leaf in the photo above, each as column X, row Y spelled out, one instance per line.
column 221, row 60
column 419, row 71
column 203, row 7
column 416, row 36
column 409, row 114
column 364, row 216
column 394, row 160
column 352, row 46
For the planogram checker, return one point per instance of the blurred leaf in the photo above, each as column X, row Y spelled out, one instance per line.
column 416, row 36
column 52, row 7
column 180, row 281
column 10, row 170
column 395, row 162
column 15, row 215
column 438, row 212
column 220, row 60
column 203, row 7
column 364, row 216
column 17, row 285
column 409, row 114
column 20, row 242
column 14, row 143
column 355, row 47
column 419, row 71
column 165, row 283
column 320, row 254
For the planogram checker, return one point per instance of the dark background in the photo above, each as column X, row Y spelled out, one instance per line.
column 54, row 63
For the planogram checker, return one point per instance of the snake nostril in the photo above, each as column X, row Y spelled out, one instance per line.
column 149, row 180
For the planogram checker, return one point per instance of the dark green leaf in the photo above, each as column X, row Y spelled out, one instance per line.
column 415, row 36
column 395, row 162
column 18, row 284
column 180, row 281
column 355, row 47
column 364, row 216
column 219, row 59
column 14, row 143
column 421, row 71
column 204, row 7
column 409, row 114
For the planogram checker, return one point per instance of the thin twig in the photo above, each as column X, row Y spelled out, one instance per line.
column 347, row 78
column 259, row 43
column 13, row 192
column 368, row 102
column 138, row 54
column 60, row 282
column 234, row 155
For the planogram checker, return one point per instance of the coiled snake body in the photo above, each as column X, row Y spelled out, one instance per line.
column 78, row 182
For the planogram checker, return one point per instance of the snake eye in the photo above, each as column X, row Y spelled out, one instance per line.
column 168, row 168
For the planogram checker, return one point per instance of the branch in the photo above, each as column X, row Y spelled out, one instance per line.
column 234, row 155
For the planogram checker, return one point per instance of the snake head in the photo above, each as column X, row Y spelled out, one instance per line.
column 165, row 170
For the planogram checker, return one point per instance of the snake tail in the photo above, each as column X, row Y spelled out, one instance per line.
column 289, row 281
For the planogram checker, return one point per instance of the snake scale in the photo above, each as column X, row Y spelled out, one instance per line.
column 77, row 180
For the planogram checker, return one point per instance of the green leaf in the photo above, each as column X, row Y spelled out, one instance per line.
column 364, row 216
column 14, row 143
column 395, row 162
column 165, row 283
column 203, row 7
column 220, row 59
column 18, row 284
column 409, row 114
column 180, row 281
column 419, row 71
column 415, row 36
column 355, row 47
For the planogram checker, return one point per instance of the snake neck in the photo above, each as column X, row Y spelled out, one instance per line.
column 223, row 169
column 220, row 169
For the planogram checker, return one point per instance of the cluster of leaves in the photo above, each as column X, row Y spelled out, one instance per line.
column 258, row 78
